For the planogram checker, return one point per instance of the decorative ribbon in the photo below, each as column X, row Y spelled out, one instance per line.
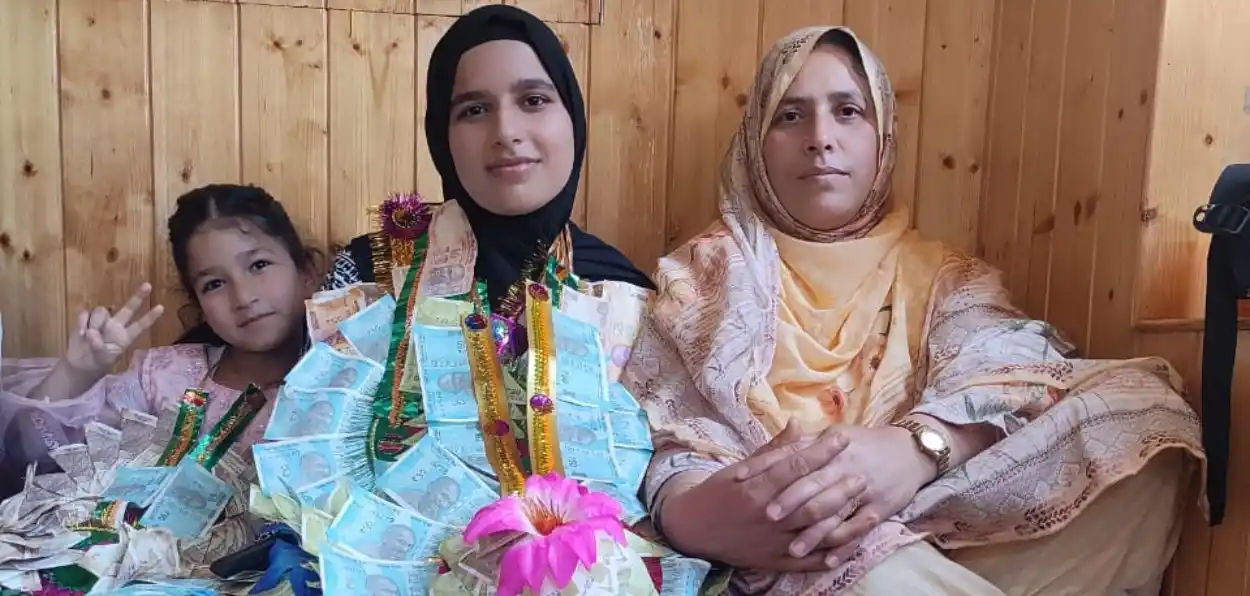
column 492, row 404
column 541, row 407
column 226, row 432
column 186, row 426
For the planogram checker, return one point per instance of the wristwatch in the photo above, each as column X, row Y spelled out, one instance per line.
column 930, row 441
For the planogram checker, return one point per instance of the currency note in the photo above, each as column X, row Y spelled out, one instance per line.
column 630, row 429
column 586, row 308
column 410, row 381
column 585, row 442
column 440, row 348
column 429, row 480
column 286, row 466
column 189, row 502
column 76, row 461
column 137, row 428
column 579, row 362
column 631, row 465
column 624, row 320
column 311, row 412
column 620, row 400
column 448, row 266
column 236, row 469
column 440, row 312
column 464, row 441
column 682, row 576
column 323, row 367
column 343, row 572
column 137, row 485
column 369, row 331
column 399, row 276
column 443, row 369
column 318, row 494
column 103, row 445
column 325, row 310
column 379, row 530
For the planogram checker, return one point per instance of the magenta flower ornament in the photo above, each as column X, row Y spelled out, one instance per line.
column 558, row 521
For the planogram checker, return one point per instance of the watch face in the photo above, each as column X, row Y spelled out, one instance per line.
column 931, row 440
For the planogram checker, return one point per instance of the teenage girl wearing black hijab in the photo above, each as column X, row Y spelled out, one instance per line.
column 509, row 242
column 514, row 228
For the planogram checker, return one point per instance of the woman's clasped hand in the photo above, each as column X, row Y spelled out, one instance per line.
column 800, row 503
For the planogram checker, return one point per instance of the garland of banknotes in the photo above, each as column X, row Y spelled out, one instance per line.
column 134, row 503
column 475, row 419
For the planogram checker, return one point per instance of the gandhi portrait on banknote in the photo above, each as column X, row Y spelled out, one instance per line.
column 344, row 379
column 318, row 419
column 313, row 467
column 380, row 585
column 433, row 504
column 444, row 276
column 454, row 382
column 395, row 544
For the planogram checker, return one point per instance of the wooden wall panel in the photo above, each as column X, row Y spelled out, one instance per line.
column 1127, row 112
column 958, row 41
column 1079, row 165
column 630, row 127
column 372, row 117
column 106, row 141
column 430, row 29
column 712, row 80
column 32, row 253
column 284, row 89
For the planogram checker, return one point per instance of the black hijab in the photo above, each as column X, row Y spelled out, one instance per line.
column 507, row 245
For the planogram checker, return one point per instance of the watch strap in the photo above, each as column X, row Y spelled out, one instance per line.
column 940, row 457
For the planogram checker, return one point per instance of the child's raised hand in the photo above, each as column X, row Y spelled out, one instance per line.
column 101, row 338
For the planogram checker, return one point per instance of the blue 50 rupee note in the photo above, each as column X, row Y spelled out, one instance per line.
column 348, row 574
column 313, row 412
column 284, row 467
column 189, row 503
column 369, row 331
column 379, row 530
column 431, row 481
column 325, row 368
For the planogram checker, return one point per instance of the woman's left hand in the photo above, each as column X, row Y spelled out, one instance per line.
column 885, row 459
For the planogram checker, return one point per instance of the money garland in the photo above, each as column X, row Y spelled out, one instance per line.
column 473, row 404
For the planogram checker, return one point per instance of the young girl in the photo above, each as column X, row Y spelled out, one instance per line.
column 243, row 266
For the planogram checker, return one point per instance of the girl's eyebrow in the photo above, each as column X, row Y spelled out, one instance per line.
column 244, row 257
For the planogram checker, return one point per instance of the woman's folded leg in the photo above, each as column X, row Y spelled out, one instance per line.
column 1119, row 546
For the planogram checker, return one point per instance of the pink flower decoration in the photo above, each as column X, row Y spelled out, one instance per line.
column 405, row 216
column 559, row 519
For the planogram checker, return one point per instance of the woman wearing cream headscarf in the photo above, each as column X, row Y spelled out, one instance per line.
column 842, row 407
